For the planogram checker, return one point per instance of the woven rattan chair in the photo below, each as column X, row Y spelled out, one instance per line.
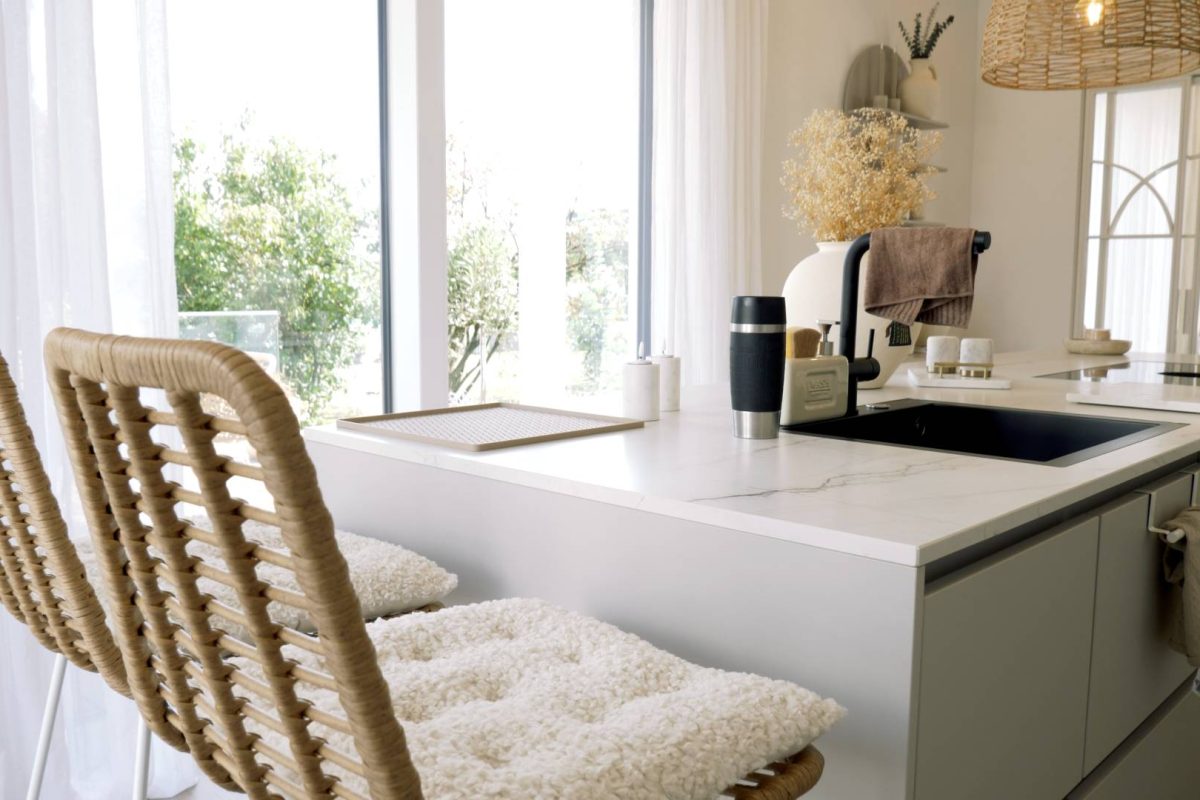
column 284, row 714
column 42, row 580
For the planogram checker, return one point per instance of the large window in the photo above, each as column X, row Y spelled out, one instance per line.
column 281, row 233
column 275, row 118
column 542, row 196
column 1139, row 228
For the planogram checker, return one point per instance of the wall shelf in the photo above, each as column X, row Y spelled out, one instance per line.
column 878, row 70
column 923, row 123
column 919, row 123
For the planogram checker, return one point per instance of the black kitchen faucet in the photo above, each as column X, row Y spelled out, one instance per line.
column 867, row 368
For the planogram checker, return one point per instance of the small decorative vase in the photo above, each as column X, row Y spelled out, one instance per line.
column 813, row 291
column 920, row 92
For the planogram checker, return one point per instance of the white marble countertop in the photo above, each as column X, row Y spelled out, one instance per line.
column 906, row 506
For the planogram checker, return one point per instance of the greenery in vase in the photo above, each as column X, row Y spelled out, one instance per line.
column 925, row 33
column 856, row 172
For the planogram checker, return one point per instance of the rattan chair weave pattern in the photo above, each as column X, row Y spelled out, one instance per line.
column 42, row 581
column 781, row 780
column 179, row 667
column 174, row 655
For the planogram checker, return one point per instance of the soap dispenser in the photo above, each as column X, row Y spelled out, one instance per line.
column 815, row 388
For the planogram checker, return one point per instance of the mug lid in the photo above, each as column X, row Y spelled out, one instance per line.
column 758, row 310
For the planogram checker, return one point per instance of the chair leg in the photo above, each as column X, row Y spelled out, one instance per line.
column 141, row 765
column 48, row 716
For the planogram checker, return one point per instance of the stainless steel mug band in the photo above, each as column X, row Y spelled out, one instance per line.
column 746, row 327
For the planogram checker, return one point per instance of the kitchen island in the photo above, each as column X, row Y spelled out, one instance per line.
column 992, row 626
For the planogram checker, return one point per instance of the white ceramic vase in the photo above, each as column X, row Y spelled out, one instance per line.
column 920, row 92
column 813, row 291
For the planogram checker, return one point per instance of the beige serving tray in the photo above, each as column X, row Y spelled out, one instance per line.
column 488, row 426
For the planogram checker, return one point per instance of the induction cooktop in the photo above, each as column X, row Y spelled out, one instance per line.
column 1159, row 372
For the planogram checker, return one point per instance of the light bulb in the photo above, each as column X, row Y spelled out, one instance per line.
column 1095, row 10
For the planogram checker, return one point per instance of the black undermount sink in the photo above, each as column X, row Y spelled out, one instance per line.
column 1040, row 437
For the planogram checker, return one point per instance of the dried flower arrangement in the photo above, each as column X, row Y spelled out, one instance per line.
column 856, row 172
column 922, row 46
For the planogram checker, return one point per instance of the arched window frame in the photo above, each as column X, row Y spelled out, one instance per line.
column 1181, row 211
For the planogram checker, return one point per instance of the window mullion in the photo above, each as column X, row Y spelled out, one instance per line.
column 385, row 190
column 1178, row 313
column 1083, row 211
column 645, row 174
column 416, row 193
column 1193, row 327
column 1105, row 211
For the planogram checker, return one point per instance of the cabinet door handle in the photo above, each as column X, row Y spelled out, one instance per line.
column 1168, row 536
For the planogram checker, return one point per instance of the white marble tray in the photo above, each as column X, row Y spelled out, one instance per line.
column 919, row 377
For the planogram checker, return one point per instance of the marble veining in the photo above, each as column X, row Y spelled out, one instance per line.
column 837, row 481
column 906, row 506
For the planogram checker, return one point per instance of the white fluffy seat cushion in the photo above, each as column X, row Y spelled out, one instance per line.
column 388, row 578
column 521, row 699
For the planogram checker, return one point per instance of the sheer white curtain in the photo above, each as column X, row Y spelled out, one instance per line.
column 86, row 239
column 1145, row 140
column 709, row 76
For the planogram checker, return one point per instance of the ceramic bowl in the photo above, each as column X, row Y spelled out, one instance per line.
column 1095, row 347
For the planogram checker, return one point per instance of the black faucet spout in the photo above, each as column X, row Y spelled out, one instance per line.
column 867, row 368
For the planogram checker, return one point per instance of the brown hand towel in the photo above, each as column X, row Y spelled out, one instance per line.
column 921, row 275
column 1181, row 568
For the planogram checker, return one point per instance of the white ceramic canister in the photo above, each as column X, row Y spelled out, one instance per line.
column 640, row 390
column 668, row 381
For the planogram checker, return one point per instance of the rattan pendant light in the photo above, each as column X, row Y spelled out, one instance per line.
column 1080, row 44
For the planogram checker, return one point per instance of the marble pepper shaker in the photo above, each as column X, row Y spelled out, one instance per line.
column 976, row 351
column 941, row 350
column 668, row 381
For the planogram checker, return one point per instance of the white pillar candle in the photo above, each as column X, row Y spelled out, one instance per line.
column 668, row 382
column 976, row 351
column 940, row 350
column 640, row 390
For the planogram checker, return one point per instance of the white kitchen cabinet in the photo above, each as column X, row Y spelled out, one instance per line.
column 1160, row 761
column 1194, row 473
column 1133, row 668
column 1004, row 671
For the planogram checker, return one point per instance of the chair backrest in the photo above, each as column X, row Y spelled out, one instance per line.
column 42, row 581
column 230, row 700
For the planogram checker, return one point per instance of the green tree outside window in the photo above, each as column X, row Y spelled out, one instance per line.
column 270, row 227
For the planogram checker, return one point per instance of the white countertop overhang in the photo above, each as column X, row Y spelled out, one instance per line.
column 902, row 505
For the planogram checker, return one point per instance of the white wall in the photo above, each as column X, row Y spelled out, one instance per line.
column 1025, row 190
column 1013, row 157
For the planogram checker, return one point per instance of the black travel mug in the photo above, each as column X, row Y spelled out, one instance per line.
column 757, row 331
